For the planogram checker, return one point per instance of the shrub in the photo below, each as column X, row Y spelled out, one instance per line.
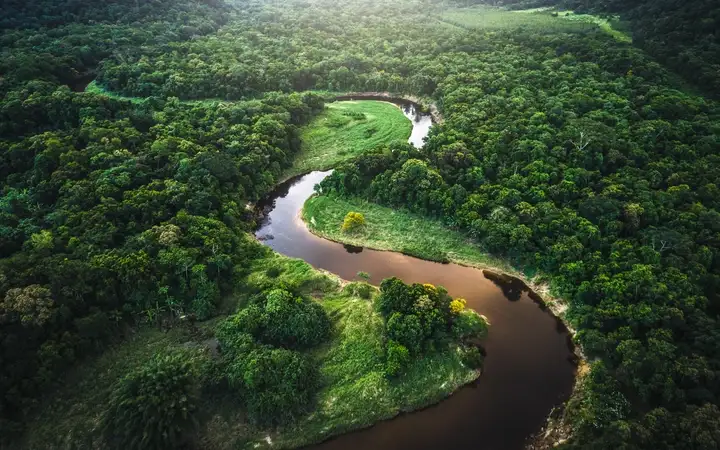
column 353, row 222
column 280, row 319
column 277, row 384
column 395, row 296
column 273, row 272
column 457, row 306
column 471, row 357
column 359, row 289
column 468, row 325
column 406, row 330
column 397, row 359
column 294, row 322
column 154, row 406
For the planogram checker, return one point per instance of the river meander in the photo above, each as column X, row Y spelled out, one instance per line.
column 529, row 367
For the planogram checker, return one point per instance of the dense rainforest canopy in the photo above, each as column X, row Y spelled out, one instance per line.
column 573, row 154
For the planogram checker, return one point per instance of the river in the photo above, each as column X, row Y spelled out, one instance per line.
column 528, row 368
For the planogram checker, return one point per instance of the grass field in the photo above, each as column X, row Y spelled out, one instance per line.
column 547, row 19
column 347, row 129
column 355, row 393
column 396, row 230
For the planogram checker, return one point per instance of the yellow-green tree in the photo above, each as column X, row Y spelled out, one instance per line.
column 353, row 221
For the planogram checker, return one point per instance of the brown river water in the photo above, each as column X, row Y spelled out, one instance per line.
column 529, row 365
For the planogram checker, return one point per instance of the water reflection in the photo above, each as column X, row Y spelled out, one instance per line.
column 352, row 248
column 529, row 365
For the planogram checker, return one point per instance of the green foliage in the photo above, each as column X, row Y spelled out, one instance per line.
column 472, row 357
column 420, row 319
column 469, row 325
column 347, row 129
column 153, row 407
column 293, row 322
column 405, row 330
column 562, row 150
column 353, row 222
column 276, row 384
column 397, row 358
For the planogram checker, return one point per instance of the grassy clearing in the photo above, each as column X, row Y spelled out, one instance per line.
column 396, row 230
column 355, row 391
column 605, row 24
column 95, row 88
column 347, row 129
column 488, row 18
column 484, row 17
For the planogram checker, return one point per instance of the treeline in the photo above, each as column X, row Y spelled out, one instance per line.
column 573, row 158
column 683, row 35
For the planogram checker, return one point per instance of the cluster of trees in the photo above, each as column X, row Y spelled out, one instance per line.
column 262, row 362
column 683, row 35
column 574, row 156
column 420, row 318
column 155, row 406
column 119, row 210
column 112, row 209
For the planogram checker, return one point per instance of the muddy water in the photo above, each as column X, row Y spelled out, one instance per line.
column 528, row 368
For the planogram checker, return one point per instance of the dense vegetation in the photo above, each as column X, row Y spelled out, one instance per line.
column 278, row 358
column 603, row 177
column 682, row 34
column 563, row 149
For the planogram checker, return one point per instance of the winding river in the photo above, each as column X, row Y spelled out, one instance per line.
column 529, row 366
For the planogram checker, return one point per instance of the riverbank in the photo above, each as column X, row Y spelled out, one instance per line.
column 355, row 392
column 401, row 231
column 426, row 106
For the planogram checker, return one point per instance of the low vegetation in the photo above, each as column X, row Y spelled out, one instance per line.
column 347, row 129
column 394, row 229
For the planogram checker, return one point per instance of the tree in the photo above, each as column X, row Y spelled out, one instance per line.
column 353, row 222
column 32, row 306
column 154, row 406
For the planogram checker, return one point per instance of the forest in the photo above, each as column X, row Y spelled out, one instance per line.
column 135, row 136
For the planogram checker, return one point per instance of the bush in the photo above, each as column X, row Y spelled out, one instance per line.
column 406, row 330
column 395, row 296
column 277, row 384
column 458, row 305
column 397, row 359
column 154, row 406
column 353, row 222
column 294, row 322
column 273, row 272
column 469, row 325
column 472, row 357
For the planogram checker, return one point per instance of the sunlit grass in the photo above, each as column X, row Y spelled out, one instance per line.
column 347, row 129
column 396, row 230
column 542, row 19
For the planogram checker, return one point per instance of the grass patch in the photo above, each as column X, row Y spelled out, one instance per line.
column 347, row 129
column 355, row 392
column 488, row 18
column 607, row 25
column 546, row 19
column 396, row 230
